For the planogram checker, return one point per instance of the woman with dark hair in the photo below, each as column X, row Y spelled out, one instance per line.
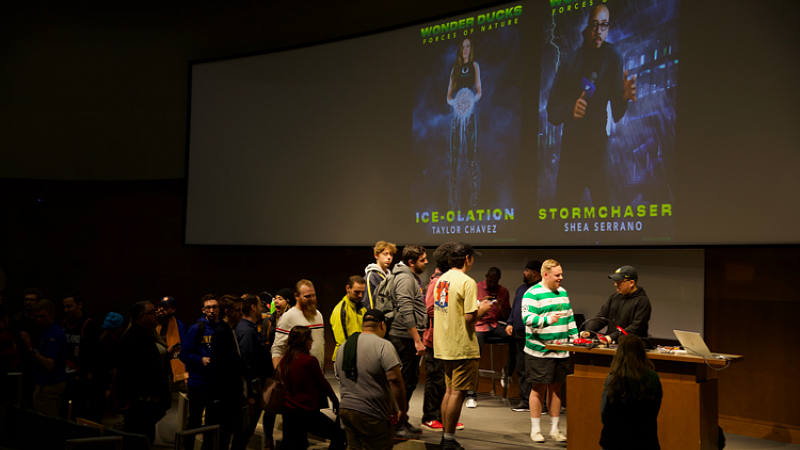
column 631, row 400
column 463, row 91
column 306, row 388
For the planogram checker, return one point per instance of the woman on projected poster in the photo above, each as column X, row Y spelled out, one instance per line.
column 463, row 91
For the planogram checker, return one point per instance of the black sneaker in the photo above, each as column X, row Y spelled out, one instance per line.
column 451, row 445
column 412, row 428
column 402, row 433
column 521, row 406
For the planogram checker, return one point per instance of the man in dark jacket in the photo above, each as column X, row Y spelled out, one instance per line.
column 196, row 354
column 628, row 308
column 409, row 323
column 141, row 380
column 376, row 272
column 516, row 329
column 259, row 363
column 228, row 371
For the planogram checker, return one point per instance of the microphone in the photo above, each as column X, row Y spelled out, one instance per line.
column 622, row 330
column 581, row 340
column 587, row 85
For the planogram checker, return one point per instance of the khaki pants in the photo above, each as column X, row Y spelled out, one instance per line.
column 365, row 432
column 47, row 398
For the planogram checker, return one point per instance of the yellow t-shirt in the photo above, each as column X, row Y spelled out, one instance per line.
column 455, row 294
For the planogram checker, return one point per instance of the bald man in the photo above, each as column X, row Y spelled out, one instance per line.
column 583, row 111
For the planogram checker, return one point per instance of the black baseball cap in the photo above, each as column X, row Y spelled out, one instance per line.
column 464, row 249
column 374, row 315
column 624, row 273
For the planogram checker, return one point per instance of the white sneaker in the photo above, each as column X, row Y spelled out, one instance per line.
column 472, row 403
column 558, row 436
column 537, row 437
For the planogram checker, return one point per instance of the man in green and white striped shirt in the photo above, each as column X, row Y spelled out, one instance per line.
column 548, row 319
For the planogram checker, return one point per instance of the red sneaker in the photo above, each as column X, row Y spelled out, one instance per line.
column 433, row 425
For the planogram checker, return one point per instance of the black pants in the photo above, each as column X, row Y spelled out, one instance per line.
column 199, row 401
column 518, row 350
column 434, row 387
column 410, row 361
column 241, row 437
column 497, row 331
column 297, row 423
column 227, row 414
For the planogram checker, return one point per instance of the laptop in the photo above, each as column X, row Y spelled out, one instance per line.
column 694, row 344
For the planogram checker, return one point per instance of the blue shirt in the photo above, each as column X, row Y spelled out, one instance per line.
column 52, row 345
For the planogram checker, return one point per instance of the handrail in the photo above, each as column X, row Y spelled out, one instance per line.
column 194, row 431
column 88, row 442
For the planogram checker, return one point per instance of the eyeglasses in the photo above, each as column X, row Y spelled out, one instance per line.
column 619, row 282
column 602, row 25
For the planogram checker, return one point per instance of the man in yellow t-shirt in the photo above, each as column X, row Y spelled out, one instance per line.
column 456, row 309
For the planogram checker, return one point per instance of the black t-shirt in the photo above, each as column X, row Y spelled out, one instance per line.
column 82, row 339
column 465, row 77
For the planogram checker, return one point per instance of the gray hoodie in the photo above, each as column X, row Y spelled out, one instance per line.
column 410, row 303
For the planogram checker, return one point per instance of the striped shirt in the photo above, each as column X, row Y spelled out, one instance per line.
column 294, row 317
column 538, row 303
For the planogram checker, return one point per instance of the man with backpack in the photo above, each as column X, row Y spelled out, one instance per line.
column 196, row 354
column 403, row 289
column 375, row 273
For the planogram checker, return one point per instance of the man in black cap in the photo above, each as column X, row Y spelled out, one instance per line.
column 516, row 329
column 371, row 385
column 628, row 309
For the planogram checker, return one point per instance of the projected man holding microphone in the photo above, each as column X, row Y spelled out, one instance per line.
column 586, row 81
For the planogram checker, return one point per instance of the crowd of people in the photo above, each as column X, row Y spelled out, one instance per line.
column 387, row 321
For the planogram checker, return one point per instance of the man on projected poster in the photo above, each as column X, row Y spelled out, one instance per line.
column 587, row 80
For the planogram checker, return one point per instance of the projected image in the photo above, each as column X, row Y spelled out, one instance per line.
column 607, row 122
column 466, row 124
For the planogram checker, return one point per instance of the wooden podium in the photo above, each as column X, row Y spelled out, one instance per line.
column 688, row 416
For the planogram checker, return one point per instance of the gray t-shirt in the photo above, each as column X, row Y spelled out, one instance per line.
column 371, row 394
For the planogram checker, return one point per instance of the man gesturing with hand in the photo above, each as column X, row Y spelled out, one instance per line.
column 548, row 318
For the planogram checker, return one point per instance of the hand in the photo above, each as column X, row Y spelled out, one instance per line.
column 628, row 87
column 484, row 306
column 585, row 334
column 420, row 348
column 509, row 330
column 604, row 339
column 554, row 318
column 26, row 339
column 206, row 360
column 579, row 110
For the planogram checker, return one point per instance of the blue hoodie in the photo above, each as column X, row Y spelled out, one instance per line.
column 193, row 352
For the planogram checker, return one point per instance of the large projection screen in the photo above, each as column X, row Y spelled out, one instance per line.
column 467, row 128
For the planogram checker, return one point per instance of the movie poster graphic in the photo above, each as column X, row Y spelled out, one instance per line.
column 466, row 126
column 606, row 149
